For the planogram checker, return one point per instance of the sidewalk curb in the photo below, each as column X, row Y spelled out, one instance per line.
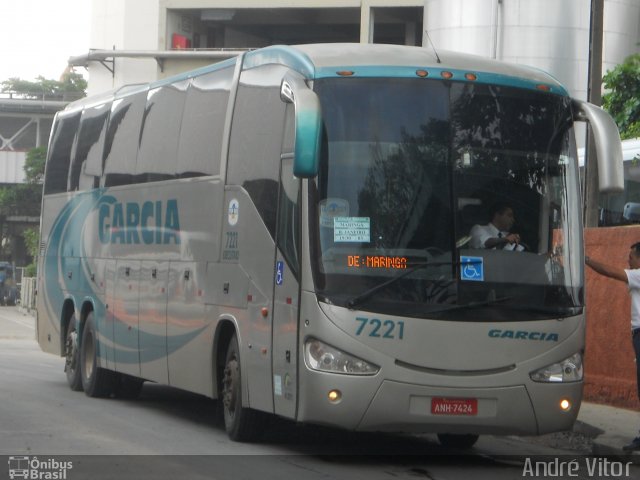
column 611, row 446
column 610, row 428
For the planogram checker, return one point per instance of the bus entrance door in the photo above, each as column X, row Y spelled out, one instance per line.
column 286, row 299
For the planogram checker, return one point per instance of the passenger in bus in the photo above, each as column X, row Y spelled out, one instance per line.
column 496, row 234
column 630, row 276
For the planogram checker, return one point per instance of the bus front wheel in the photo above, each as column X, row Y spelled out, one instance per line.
column 241, row 423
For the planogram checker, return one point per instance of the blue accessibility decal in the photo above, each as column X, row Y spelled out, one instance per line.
column 279, row 272
column 472, row 268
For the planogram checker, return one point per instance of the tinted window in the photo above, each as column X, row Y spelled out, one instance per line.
column 160, row 132
column 203, row 124
column 402, row 161
column 87, row 163
column 60, row 154
column 254, row 152
column 123, row 136
column 288, row 238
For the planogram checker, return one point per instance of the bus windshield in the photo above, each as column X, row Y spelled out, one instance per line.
column 409, row 166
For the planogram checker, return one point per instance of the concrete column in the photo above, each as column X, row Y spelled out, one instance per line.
column 367, row 18
column 410, row 33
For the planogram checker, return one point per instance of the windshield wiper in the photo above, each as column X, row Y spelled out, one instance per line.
column 362, row 297
column 482, row 303
column 562, row 311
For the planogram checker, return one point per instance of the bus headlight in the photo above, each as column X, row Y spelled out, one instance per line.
column 568, row 370
column 325, row 358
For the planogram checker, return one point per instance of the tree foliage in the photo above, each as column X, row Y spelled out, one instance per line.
column 622, row 99
column 34, row 165
column 25, row 199
column 70, row 83
column 32, row 242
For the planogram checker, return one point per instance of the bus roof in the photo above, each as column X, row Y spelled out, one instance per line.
column 322, row 60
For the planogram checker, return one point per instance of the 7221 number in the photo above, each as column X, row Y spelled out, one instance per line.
column 376, row 328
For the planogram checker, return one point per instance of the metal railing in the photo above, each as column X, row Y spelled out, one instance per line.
column 28, row 293
column 42, row 96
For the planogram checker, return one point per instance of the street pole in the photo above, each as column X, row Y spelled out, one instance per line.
column 594, row 95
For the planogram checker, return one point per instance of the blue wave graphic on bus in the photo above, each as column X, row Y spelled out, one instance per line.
column 65, row 261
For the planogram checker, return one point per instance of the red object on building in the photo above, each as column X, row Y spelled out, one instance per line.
column 180, row 41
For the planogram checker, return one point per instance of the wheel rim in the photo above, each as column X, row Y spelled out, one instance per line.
column 230, row 388
column 89, row 355
column 71, row 351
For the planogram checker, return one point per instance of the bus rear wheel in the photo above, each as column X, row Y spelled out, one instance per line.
column 72, row 357
column 456, row 440
column 242, row 424
column 96, row 381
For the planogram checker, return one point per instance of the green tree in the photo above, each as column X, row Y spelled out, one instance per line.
column 70, row 85
column 34, row 172
column 34, row 165
column 25, row 199
column 622, row 99
column 32, row 242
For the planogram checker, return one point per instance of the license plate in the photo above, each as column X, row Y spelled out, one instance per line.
column 454, row 406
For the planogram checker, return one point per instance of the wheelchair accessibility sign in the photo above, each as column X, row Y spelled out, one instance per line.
column 472, row 268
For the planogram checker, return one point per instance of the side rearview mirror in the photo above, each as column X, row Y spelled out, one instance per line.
column 608, row 145
column 308, row 124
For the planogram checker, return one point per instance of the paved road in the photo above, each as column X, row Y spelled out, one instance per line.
column 172, row 434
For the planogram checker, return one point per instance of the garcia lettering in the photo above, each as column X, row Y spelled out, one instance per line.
column 132, row 223
column 524, row 335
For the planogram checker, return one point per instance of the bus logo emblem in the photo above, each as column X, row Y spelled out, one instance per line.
column 234, row 208
column 18, row 467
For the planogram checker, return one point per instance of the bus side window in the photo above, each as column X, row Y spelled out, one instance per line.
column 123, row 137
column 87, row 161
column 289, row 206
column 59, row 158
column 256, row 145
column 203, row 120
column 160, row 132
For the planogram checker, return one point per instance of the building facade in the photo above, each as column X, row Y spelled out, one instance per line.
column 552, row 35
column 137, row 41
column 24, row 124
column 149, row 39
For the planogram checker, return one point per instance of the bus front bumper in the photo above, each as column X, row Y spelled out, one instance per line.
column 403, row 407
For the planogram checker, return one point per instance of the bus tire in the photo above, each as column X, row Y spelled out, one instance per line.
column 96, row 381
column 457, row 440
column 242, row 424
column 72, row 356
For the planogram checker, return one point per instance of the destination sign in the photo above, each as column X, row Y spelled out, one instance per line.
column 376, row 261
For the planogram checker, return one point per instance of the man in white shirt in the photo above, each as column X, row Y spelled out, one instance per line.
column 496, row 234
column 631, row 277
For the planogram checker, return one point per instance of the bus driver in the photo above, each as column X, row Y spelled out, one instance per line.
column 496, row 234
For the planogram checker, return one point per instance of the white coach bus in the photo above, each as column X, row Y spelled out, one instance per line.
column 287, row 232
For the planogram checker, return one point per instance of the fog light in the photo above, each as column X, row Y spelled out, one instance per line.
column 335, row 396
column 565, row 405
